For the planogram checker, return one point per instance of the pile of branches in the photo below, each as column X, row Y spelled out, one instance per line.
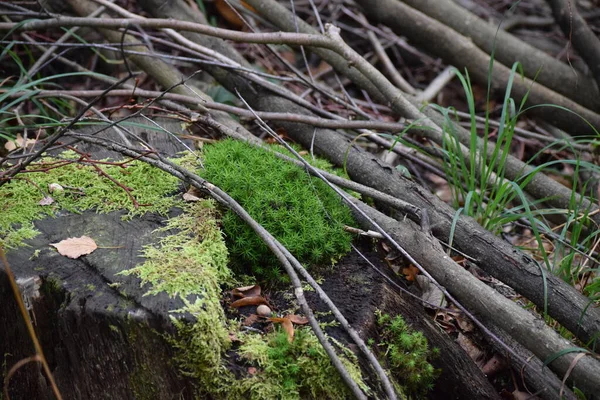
column 360, row 112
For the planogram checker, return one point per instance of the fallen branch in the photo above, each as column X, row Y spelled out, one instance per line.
column 540, row 186
column 507, row 49
column 522, row 325
column 578, row 32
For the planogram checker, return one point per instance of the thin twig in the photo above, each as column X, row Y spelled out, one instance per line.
column 389, row 66
column 36, row 343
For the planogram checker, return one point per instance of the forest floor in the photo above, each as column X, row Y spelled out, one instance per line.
column 403, row 198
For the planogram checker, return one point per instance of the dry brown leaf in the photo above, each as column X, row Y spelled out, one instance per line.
column 281, row 132
column 75, row 247
column 298, row 320
column 287, row 326
column 249, row 301
column 410, row 273
column 445, row 322
column 230, row 15
column 251, row 319
column 246, row 291
column 18, row 142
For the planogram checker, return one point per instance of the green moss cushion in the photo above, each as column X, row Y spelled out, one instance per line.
column 303, row 213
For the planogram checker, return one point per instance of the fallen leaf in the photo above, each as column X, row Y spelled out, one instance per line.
column 281, row 132
column 249, row 301
column 246, row 291
column 410, row 273
column 431, row 293
column 230, row 15
column 298, row 320
column 75, row 247
column 190, row 197
column 445, row 321
column 464, row 323
column 460, row 260
column 251, row 319
column 46, row 201
column 18, row 142
column 10, row 145
column 287, row 327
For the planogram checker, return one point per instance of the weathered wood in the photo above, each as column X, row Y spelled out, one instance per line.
column 101, row 342
column 100, row 334
column 486, row 303
column 495, row 256
column 359, row 291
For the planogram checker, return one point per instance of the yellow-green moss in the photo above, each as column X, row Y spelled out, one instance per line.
column 407, row 354
column 84, row 189
column 193, row 262
column 190, row 264
column 297, row 370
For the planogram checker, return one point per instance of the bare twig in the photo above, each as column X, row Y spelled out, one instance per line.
column 436, row 85
column 36, row 343
column 389, row 67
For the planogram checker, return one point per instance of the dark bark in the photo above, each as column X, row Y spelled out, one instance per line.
column 527, row 328
column 100, row 342
column 459, row 51
column 578, row 32
column 535, row 375
column 360, row 291
column 507, row 48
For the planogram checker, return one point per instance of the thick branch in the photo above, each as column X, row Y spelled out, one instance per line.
column 459, row 51
column 507, row 49
column 495, row 256
column 541, row 186
column 578, row 32
column 522, row 325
